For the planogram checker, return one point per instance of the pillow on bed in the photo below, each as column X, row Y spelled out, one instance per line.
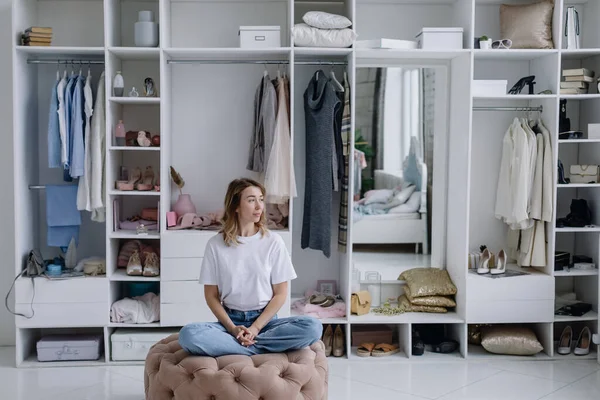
column 411, row 206
column 402, row 196
column 378, row 196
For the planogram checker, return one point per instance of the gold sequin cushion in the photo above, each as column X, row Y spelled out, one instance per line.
column 529, row 26
column 510, row 339
column 407, row 306
column 428, row 282
column 435, row 301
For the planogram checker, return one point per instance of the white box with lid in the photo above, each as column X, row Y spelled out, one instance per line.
column 133, row 344
column 594, row 131
column 260, row 37
column 440, row 38
column 489, row 88
column 69, row 348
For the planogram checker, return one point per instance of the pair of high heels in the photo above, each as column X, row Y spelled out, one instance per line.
column 137, row 182
column 582, row 347
column 486, row 259
column 334, row 341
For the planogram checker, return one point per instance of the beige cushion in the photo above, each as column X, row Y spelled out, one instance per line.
column 407, row 306
column 172, row 374
column 434, row 301
column 428, row 282
column 510, row 339
column 529, row 26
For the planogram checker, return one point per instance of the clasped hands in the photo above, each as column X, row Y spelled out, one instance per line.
column 246, row 336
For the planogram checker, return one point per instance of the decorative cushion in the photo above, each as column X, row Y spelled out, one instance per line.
column 407, row 306
column 434, row 301
column 510, row 339
column 529, row 26
column 323, row 20
column 172, row 374
column 428, row 282
column 412, row 205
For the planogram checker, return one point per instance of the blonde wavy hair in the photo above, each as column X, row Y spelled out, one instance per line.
column 230, row 222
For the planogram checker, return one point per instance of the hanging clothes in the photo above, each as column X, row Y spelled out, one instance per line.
column 97, row 151
column 265, row 109
column 77, row 127
column 360, row 163
column 83, row 193
column 320, row 102
column 54, row 148
column 344, row 135
column 62, row 120
column 279, row 175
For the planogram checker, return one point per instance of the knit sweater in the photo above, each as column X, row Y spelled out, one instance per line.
column 320, row 102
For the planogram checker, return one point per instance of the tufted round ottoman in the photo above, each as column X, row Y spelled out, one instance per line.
column 172, row 374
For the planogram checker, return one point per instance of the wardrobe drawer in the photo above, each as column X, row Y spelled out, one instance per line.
column 180, row 269
column 184, row 244
column 180, row 314
column 182, row 292
column 76, row 290
column 504, row 311
column 62, row 315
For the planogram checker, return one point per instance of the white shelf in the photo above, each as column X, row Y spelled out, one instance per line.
column 133, row 193
column 407, row 54
column 479, row 353
column 580, row 96
column 413, row 318
column 576, row 272
column 118, row 325
column 321, row 51
column 579, row 141
column 228, row 53
column 136, row 53
column 577, row 185
column 576, row 230
column 133, row 148
column 135, row 100
column 120, row 275
column 589, row 316
column 579, row 53
column 517, row 97
column 511, row 54
column 393, row 357
column 32, row 362
column 62, row 51
column 125, row 234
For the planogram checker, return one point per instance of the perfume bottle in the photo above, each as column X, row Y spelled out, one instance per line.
column 118, row 85
column 120, row 134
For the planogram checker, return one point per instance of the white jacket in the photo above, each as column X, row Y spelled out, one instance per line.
column 97, row 154
column 83, row 191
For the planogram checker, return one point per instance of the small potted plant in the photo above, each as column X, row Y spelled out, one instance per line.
column 485, row 43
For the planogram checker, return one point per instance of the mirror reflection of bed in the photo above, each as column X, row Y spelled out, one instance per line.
column 393, row 161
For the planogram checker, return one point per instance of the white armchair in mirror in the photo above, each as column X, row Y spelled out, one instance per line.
column 393, row 207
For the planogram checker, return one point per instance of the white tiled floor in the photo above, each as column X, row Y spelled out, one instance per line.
column 348, row 380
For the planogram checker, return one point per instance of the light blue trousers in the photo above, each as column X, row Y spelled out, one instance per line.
column 279, row 335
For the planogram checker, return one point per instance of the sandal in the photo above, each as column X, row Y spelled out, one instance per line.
column 129, row 185
column 148, row 182
column 384, row 350
column 365, row 349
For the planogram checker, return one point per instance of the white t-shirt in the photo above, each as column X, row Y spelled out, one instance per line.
column 244, row 273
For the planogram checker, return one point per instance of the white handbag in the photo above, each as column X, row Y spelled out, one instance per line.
column 572, row 28
column 584, row 173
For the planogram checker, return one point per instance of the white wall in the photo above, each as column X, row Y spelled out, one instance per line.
column 7, row 322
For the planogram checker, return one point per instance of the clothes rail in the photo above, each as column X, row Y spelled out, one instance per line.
column 66, row 62
column 540, row 108
column 40, row 187
column 256, row 62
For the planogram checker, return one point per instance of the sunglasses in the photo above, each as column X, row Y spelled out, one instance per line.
column 502, row 44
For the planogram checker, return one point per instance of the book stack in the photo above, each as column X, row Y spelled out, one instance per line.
column 576, row 81
column 37, row 36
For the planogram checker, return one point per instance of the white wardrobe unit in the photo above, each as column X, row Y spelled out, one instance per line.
column 204, row 115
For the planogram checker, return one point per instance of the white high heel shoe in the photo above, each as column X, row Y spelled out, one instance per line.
column 566, row 341
column 500, row 264
column 583, row 343
column 484, row 261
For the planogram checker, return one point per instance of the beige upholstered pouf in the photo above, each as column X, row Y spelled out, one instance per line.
column 172, row 374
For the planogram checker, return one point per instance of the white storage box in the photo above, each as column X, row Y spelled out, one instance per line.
column 489, row 88
column 69, row 347
column 259, row 37
column 593, row 131
column 133, row 344
column 440, row 38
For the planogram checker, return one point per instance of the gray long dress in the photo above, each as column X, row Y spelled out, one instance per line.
column 265, row 110
column 320, row 102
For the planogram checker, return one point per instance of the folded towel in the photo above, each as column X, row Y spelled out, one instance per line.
column 62, row 216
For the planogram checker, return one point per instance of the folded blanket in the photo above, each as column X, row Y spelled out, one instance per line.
column 137, row 310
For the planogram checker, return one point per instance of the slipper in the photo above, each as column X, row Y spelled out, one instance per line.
column 365, row 349
column 188, row 220
column 317, row 299
column 329, row 302
column 384, row 350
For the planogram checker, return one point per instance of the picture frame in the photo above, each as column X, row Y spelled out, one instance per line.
column 327, row 287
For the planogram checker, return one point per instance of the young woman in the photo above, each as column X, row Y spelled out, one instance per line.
column 245, row 273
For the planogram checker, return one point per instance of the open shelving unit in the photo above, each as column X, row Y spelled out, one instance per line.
column 207, row 143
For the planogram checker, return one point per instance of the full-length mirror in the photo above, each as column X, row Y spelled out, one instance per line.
column 396, row 140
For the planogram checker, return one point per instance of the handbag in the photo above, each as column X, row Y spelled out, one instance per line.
column 150, row 214
column 35, row 263
column 360, row 303
column 572, row 28
column 584, row 173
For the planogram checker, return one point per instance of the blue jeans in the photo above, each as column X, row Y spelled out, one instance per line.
column 279, row 335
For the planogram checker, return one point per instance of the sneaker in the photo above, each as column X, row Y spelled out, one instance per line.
column 134, row 266
column 151, row 267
